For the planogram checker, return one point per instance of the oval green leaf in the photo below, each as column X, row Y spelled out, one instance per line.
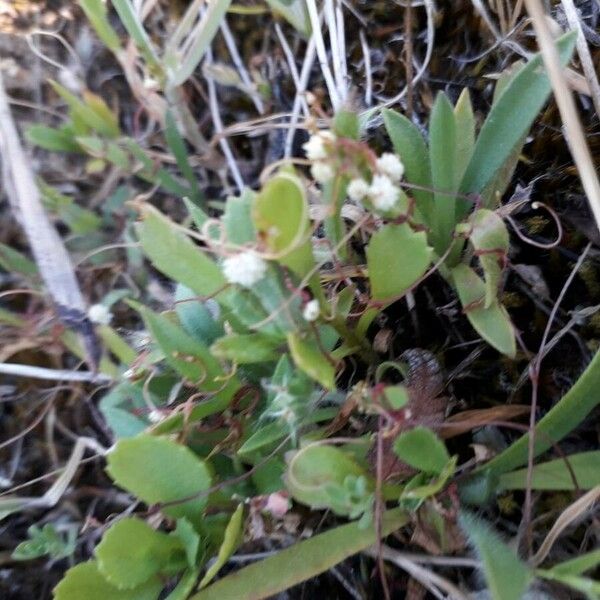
column 131, row 552
column 85, row 581
column 397, row 257
column 492, row 324
column 310, row 359
column 158, row 470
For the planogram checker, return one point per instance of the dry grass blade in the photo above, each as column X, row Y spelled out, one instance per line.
column 431, row 581
column 52, row 374
column 566, row 105
column 11, row 504
column 47, row 247
column 583, row 50
column 570, row 514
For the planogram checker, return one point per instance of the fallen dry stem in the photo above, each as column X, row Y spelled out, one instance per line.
column 566, row 106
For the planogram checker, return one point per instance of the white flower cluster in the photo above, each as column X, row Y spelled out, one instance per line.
column 317, row 151
column 245, row 268
column 383, row 191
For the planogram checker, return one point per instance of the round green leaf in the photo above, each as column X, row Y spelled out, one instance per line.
column 397, row 396
column 314, row 471
column 422, row 449
column 131, row 552
column 158, row 470
column 85, row 582
column 280, row 214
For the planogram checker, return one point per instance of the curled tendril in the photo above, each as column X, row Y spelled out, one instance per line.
column 532, row 242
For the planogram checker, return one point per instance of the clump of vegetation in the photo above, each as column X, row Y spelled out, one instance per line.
column 271, row 381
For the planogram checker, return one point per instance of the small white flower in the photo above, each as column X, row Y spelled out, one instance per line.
column 389, row 164
column 383, row 193
column 322, row 172
column 311, row 311
column 245, row 268
column 315, row 148
column 358, row 189
column 155, row 416
column 98, row 313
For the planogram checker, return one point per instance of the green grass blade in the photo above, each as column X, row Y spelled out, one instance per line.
column 556, row 474
column 564, row 417
column 510, row 118
column 177, row 146
column 299, row 562
column 442, row 147
column 133, row 25
column 95, row 11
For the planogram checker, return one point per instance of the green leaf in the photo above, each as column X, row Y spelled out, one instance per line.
column 422, row 486
column 188, row 356
column 563, row 418
column 158, row 470
column 175, row 255
column 131, row 552
column 489, row 238
column 88, row 112
column 507, row 577
column 96, row 12
column 422, row 449
column 246, row 348
column 46, row 541
column 443, row 148
column 189, row 539
column 311, row 360
column 397, row 396
column 116, row 344
column 579, row 564
column 273, row 432
column 84, row 581
column 313, row 471
column 511, row 117
column 410, row 146
column 157, row 176
column 265, row 436
column 465, row 132
column 492, row 324
column 118, row 407
column 280, row 213
column 346, row 124
column 299, row 562
column 178, row 149
column 397, row 257
column 13, row 261
column 80, row 220
column 556, row 474
column 135, row 28
column 198, row 318
column 52, row 139
column 185, row 586
column 237, row 219
column 295, row 12
column 231, row 540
